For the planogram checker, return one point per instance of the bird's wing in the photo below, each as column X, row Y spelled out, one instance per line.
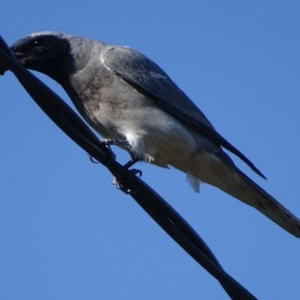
column 151, row 81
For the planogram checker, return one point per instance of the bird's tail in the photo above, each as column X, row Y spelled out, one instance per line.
column 250, row 193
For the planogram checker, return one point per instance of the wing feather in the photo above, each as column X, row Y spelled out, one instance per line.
column 150, row 80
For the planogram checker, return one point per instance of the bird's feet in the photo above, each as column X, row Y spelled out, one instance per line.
column 91, row 158
column 117, row 182
column 125, row 187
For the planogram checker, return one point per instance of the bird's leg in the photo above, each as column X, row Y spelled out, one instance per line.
column 130, row 163
column 107, row 143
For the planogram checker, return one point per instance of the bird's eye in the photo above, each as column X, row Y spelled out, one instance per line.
column 39, row 44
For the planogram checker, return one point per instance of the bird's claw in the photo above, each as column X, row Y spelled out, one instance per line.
column 92, row 159
column 136, row 172
column 107, row 143
column 113, row 142
column 124, row 187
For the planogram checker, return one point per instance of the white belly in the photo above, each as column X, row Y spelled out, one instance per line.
column 156, row 136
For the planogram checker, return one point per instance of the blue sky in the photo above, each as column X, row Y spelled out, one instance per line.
column 67, row 233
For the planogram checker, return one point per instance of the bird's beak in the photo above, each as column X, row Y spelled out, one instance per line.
column 22, row 57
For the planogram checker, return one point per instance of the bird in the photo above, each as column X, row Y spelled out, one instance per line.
column 126, row 97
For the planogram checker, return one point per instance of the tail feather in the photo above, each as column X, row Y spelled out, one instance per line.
column 250, row 193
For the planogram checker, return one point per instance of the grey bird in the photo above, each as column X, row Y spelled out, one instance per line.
column 125, row 96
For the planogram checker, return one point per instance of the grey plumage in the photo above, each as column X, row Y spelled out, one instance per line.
column 124, row 95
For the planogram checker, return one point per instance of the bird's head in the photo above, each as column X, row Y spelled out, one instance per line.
column 45, row 52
